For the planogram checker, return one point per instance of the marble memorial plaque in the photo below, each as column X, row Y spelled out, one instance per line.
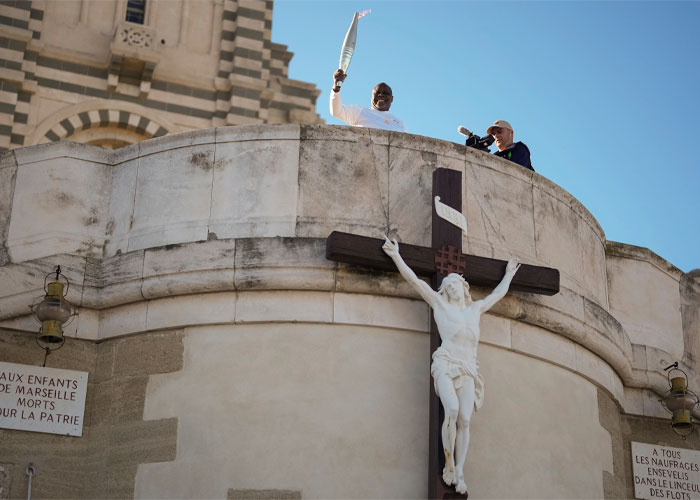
column 665, row 472
column 39, row 399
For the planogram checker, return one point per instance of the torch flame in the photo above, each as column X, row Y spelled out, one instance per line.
column 364, row 13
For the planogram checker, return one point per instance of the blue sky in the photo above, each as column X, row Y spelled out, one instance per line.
column 606, row 94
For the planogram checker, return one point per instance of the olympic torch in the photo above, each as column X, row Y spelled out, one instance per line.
column 349, row 43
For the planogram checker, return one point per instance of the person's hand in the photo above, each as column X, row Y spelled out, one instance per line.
column 391, row 248
column 513, row 265
column 338, row 76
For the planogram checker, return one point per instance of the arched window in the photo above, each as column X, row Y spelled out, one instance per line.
column 136, row 11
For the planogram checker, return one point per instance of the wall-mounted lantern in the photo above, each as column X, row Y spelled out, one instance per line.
column 679, row 401
column 53, row 311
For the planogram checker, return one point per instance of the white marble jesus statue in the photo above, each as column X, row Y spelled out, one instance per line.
column 454, row 368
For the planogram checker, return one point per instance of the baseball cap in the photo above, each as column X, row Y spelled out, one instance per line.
column 499, row 123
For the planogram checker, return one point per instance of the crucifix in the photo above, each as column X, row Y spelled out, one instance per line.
column 437, row 262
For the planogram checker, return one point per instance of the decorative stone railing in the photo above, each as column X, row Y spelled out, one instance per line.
column 134, row 35
column 133, row 46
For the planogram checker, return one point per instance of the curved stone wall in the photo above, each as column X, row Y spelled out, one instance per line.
column 297, row 182
column 159, row 218
column 219, row 232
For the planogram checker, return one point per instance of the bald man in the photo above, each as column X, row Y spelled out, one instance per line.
column 377, row 116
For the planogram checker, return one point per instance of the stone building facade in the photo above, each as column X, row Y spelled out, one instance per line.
column 114, row 72
column 228, row 358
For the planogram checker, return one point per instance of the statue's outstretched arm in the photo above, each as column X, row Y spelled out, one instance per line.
column 500, row 291
column 391, row 248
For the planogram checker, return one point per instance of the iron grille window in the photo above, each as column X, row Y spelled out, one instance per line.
column 136, row 11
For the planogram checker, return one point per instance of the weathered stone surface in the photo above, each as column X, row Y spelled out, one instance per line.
column 495, row 331
column 502, row 217
column 113, row 280
column 358, row 279
column 116, row 401
column 543, row 344
column 121, row 206
column 5, row 480
column 646, row 300
column 355, row 308
column 176, row 312
column 155, row 353
column 609, row 415
column 172, row 141
column 173, row 197
column 188, row 268
column 140, row 442
column 121, row 320
column 338, row 191
column 571, row 241
column 63, row 199
column 566, row 301
column 410, row 217
column 605, row 323
column 277, row 132
column 104, row 362
column 16, row 347
column 276, row 263
column 186, row 257
column 254, row 192
column 23, row 283
column 8, row 172
column 284, row 306
column 187, row 283
column 690, row 317
column 594, row 368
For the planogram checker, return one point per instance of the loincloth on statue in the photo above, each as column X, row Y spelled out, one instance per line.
column 458, row 371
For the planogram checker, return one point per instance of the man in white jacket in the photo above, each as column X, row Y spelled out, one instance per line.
column 358, row 116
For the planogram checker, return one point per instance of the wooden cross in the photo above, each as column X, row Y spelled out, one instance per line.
column 444, row 257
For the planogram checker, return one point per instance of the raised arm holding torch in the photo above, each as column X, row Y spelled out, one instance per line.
column 375, row 117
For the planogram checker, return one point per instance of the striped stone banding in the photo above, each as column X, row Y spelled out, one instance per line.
column 15, row 23
column 9, row 43
column 250, row 33
column 246, row 55
column 147, row 73
column 4, row 63
column 235, row 110
column 17, row 4
column 258, row 15
column 102, row 73
column 105, row 118
column 17, row 63
column 148, row 103
column 246, row 72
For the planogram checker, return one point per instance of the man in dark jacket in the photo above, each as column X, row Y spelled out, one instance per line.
column 517, row 152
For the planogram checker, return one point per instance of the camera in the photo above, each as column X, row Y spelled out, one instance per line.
column 474, row 141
